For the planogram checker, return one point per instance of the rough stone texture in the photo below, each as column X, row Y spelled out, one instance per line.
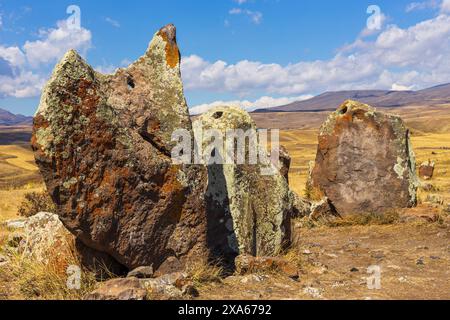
column 285, row 160
column 249, row 264
column 426, row 170
column 302, row 207
column 254, row 209
column 141, row 272
column 169, row 266
column 16, row 223
column 119, row 289
column 169, row 286
column 322, row 209
column 103, row 142
column 44, row 235
column 365, row 162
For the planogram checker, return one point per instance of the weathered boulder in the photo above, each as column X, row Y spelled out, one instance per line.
column 102, row 144
column 426, row 170
column 253, row 208
column 119, row 289
column 365, row 162
column 141, row 272
column 44, row 236
column 322, row 209
column 169, row 286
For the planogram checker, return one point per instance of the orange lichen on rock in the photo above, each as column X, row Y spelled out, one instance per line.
column 172, row 51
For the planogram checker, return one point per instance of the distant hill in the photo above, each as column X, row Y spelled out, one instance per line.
column 9, row 119
column 377, row 98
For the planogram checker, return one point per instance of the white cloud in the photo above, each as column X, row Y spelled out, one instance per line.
column 13, row 55
column 240, row 1
column 414, row 57
column 23, row 85
column 255, row 16
column 263, row 102
column 399, row 87
column 28, row 63
column 445, row 7
column 55, row 43
column 112, row 22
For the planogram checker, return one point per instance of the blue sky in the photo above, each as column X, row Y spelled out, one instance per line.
column 253, row 53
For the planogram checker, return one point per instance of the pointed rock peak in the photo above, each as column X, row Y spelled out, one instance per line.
column 169, row 36
column 170, row 32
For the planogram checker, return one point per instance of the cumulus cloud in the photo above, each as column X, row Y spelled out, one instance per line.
column 26, row 64
column 413, row 57
column 54, row 43
column 263, row 102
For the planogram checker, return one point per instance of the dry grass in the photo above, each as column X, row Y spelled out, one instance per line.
column 201, row 273
column 10, row 200
column 36, row 202
column 31, row 279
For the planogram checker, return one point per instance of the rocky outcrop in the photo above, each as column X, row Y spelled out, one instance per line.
column 254, row 209
column 426, row 170
column 365, row 162
column 43, row 236
column 119, row 289
column 102, row 144
column 168, row 287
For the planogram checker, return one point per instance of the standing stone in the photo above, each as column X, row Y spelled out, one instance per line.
column 103, row 145
column 426, row 170
column 365, row 162
column 254, row 209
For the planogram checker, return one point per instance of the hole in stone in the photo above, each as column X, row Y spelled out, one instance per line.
column 218, row 115
column 344, row 110
column 130, row 83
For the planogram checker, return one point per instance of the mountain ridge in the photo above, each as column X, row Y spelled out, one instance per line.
column 330, row 100
column 10, row 119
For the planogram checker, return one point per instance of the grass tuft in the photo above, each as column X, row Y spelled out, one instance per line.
column 45, row 280
column 202, row 272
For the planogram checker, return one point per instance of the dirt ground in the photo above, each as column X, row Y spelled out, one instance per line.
column 414, row 260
